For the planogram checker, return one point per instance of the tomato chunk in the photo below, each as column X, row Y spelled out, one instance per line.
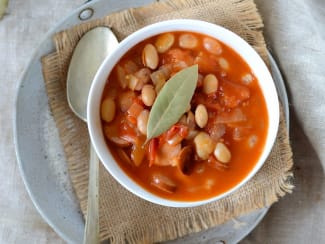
column 179, row 58
column 207, row 63
column 234, row 93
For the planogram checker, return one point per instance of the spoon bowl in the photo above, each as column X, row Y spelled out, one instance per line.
column 88, row 55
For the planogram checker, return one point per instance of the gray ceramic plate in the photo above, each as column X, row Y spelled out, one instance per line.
column 41, row 158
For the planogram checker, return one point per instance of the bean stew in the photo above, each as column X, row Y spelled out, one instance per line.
column 213, row 145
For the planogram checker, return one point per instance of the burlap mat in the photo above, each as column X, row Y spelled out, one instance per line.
column 123, row 216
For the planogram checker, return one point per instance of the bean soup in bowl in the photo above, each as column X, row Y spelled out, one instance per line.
column 183, row 113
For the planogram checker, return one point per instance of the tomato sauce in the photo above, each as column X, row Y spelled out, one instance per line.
column 188, row 162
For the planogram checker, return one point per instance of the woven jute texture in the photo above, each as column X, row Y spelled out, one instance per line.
column 123, row 216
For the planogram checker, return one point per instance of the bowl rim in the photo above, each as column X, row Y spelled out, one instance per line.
column 226, row 36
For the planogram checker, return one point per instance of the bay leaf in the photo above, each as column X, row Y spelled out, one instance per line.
column 172, row 101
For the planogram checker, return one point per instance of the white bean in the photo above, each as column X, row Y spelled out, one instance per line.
column 125, row 100
column 148, row 95
column 212, row 46
column 223, row 63
column 142, row 121
column 188, row 41
column 164, row 42
column 204, row 145
column 222, row 153
column 201, row 115
column 247, row 79
column 107, row 110
column 252, row 140
column 150, row 56
column 210, row 84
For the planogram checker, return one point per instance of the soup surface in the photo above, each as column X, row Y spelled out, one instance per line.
column 214, row 144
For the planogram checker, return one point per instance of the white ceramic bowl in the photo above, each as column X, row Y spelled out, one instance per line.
column 235, row 42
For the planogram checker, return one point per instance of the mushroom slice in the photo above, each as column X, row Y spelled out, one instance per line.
column 184, row 160
column 119, row 141
column 111, row 133
column 163, row 183
column 124, row 156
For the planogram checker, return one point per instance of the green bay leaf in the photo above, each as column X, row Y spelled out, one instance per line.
column 172, row 101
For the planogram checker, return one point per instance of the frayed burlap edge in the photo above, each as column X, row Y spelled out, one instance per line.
column 73, row 132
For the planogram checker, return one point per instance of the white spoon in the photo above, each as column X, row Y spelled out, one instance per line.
column 89, row 53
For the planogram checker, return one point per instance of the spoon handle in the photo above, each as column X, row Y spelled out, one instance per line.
column 91, row 234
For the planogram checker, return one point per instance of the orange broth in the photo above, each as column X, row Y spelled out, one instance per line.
column 238, row 93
